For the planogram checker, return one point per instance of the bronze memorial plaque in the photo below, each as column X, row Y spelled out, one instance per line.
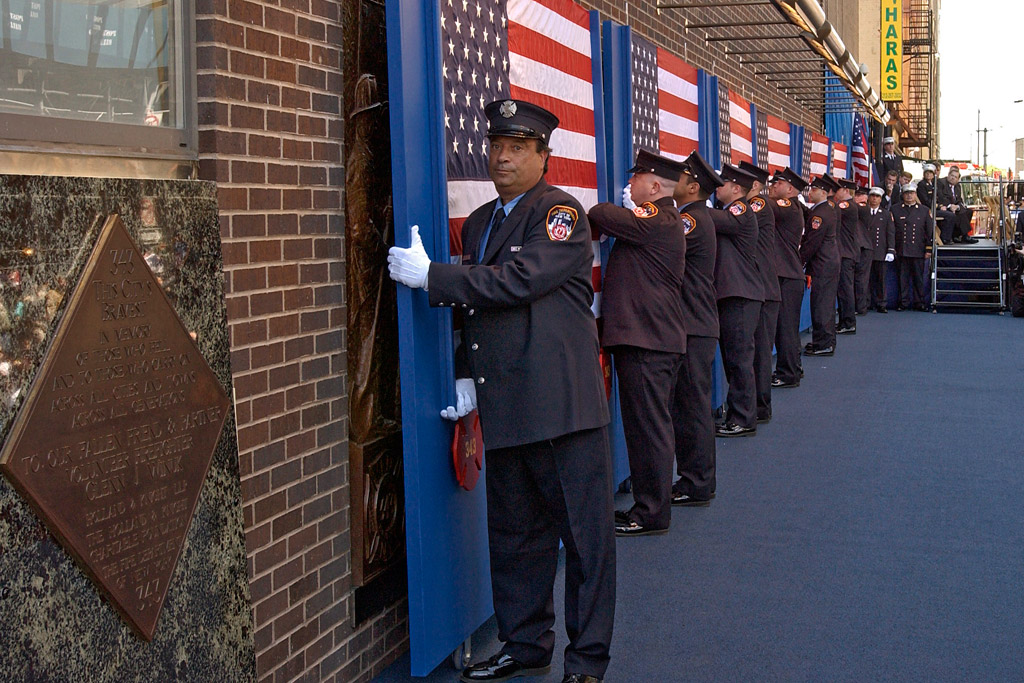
column 118, row 430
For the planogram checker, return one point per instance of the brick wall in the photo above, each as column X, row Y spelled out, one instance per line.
column 270, row 135
column 667, row 29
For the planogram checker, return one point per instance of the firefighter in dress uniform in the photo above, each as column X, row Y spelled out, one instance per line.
column 786, row 187
column 914, row 233
column 740, row 295
column 881, row 231
column 849, row 254
column 529, row 352
column 820, row 255
column 764, row 337
column 862, row 276
column 691, row 404
column 644, row 329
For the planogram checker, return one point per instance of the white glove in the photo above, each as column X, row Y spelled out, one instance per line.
column 889, row 258
column 410, row 266
column 627, row 198
column 465, row 398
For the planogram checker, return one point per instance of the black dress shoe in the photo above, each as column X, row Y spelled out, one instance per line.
column 763, row 419
column 882, row 309
column 779, row 384
column 635, row 528
column 901, row 308
column 847, row 329
column 921, row 307
column 968, row 240
column 581, row 678
column 864, row 312
column 501, row 667
column 622, row 516
column 681, row 499
column 809, row 346
column 827, row 351
column 730, row 429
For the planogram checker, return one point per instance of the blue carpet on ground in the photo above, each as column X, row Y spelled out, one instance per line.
column 874, row 530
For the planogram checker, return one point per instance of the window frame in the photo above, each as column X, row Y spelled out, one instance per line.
column 34, row 133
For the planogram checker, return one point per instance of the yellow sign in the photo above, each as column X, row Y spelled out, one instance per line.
column 892, row 50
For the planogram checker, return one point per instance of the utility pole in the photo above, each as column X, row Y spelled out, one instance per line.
column 978, row 156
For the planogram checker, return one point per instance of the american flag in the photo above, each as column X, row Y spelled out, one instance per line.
column 805, row 151
column 840, row 168
column 665, row 107
column 778, row 144
column 762, row 139
column 861, row 159
column 533, row 50
column 724, row 138
column 819, row 155
column 739, row 129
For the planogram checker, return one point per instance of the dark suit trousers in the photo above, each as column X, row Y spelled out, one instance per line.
column 646, row 381
column 693, row 418
column 947, row 222
column 878, row 295
column 537, row 494
column 787, row 333
column 911, row 272
column 764, row 340
column 845, row 295
column 737, row 322
column 963, row 222
column 861, row 281
column 823, row 309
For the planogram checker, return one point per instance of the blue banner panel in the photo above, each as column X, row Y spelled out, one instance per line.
column 446, row 530
column 796, row 149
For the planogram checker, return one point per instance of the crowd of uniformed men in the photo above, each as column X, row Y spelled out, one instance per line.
column 701, row 259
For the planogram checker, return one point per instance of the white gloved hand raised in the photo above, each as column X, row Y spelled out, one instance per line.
column 889, row 258
column 410, row 266
column 465, row 399
column 627, row 198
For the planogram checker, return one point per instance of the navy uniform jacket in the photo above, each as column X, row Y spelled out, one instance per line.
column 736, row 261
column 881, row 232
column 789, row 228
column 642, row 297
column 699, row 299
column 914, row 230
column 925, row 191
column 766, row 262
column 891, row 162
column 863, row 238
column 529, row 338
column 848, row 229
column 818, row 249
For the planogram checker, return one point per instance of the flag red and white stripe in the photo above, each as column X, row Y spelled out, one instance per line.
column 778, row 144
column 677, row 106
column 840, row 168
column 819, row 155
column 861, row 160
column 739, row 129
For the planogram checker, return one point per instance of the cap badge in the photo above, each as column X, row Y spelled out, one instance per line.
column 508, row 109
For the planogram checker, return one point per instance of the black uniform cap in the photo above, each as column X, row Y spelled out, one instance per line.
column 520, row 119
column 791, row 177
column 861, row 190
column 848, row 184
column 731, row 174
column 825, row 182
column 698, row 169
column 663, row 167
column 759, row 173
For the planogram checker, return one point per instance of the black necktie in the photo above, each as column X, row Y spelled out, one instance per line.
column 496, row 221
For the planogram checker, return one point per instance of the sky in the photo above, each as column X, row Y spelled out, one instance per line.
column 979, row 45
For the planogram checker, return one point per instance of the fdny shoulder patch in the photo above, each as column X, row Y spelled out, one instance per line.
column 688, row 223
column 783, row 202
column 738, row 209
column 831, row 203
column 844, row 204
column 757, row 203
column 815, row 222
column 560, row 223
column 646, row 210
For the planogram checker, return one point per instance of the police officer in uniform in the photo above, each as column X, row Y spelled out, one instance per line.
column 786, row 187
column 740, row 295
column 881, row 231
column 914, row 232
column 849, row 253
column 764, row 338
column 644, row 329
column 862, row 276
column 820, row 255
column 691, row 405
column 890, row 160
column 530, row 353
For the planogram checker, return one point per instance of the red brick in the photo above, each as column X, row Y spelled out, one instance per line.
column 279, row 174
column 261, row 41
column 246, row 12
column 283, row 71
column 247, row 172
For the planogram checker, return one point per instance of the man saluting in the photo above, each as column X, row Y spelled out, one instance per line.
column 530, row 352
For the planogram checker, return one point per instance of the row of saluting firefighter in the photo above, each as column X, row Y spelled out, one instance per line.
column 701, row 259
